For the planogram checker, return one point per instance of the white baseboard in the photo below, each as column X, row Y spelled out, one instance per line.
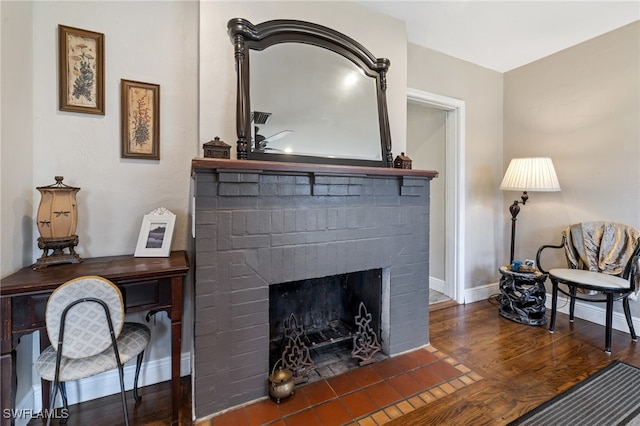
column 594, row 312
column 484, row 292
column 108, row 383
column 436, row 284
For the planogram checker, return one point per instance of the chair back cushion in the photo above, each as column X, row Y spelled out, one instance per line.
column 86, row 330
column 603, row 247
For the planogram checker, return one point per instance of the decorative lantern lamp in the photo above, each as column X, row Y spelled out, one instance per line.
column 217, row 149
column 57, row 221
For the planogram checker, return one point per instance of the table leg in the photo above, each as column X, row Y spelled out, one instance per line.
column 45, row 386
column 176, row 346
column 8, row 393
column 7, row 365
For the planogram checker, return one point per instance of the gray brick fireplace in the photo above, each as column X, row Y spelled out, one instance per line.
column 259, row 224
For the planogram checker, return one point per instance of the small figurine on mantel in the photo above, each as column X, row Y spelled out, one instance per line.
column 217, row 149
column 402, row 162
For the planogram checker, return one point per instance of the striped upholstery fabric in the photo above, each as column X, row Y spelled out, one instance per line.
column 86, row 329
column 133, row 339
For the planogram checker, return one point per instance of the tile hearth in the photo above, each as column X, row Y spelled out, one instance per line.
column 370, row 395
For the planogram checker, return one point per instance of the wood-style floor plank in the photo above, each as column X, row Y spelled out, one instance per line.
column 522, row 366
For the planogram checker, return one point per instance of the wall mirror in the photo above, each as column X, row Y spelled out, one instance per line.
column 311, row 94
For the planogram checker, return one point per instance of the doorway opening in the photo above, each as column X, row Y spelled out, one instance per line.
column 449, row 266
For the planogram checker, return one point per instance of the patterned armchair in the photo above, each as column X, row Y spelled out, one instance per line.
column 88, row 335
column 602, row 266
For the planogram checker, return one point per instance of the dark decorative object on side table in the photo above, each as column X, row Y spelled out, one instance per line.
column 522, row 296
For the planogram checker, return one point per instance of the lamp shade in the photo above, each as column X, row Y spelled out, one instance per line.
column 530, row 174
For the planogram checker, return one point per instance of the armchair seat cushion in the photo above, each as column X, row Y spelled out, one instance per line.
column 590, row 279
column 132, row 340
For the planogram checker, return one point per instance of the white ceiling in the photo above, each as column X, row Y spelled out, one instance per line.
column 503, row 35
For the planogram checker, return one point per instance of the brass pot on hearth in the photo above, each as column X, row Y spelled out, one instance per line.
column 281, row 383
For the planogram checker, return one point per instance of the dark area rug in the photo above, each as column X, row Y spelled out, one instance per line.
column 609, row 397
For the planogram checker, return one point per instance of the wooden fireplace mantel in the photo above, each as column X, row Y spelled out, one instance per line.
column 276, row 166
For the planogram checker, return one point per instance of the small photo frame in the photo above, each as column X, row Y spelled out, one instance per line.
column 156, row 234
column 80, row 70
column 140, row 119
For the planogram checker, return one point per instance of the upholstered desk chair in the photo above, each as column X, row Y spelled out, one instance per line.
column 602, row 260
column 85, row 324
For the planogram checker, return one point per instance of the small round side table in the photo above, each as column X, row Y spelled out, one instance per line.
column 522, row 296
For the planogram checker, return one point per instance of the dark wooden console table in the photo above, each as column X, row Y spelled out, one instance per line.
column 147, row 284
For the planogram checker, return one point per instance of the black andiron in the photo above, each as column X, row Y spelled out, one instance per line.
column 365, row 340
column 296, row 355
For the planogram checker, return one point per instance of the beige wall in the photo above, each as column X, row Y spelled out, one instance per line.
column 581, row 107
column 150, row 42
column 16, row 126
column 481, row 89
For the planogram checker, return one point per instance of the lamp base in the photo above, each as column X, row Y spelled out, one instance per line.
column 58, row 256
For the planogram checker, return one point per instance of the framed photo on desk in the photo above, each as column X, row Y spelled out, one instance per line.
column 156, row 234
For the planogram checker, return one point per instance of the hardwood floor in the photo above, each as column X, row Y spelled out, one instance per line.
column 522, row 366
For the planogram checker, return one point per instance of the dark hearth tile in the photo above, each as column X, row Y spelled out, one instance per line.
column 262, row 412
column 318, row 392
column 445, row 370
column 387, row 368
column 342, row 384
column 359, row 403
column 365, row 376
column 304, row 418
column 406, row 362
column 426, row 377
column 332, row 413
column 296, row 402
column 423, row 356
column 383, row 394
column 405, row 385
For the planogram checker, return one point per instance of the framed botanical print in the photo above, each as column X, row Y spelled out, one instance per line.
column 140, row 120
column 80, row 70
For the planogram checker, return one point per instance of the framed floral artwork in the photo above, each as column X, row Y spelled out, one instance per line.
column 81, row 70
column 140, row 120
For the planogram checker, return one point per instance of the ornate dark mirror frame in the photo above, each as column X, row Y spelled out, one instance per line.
column 245, row 36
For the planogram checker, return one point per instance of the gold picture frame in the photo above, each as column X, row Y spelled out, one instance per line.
column 80, row 70
column 140, row 120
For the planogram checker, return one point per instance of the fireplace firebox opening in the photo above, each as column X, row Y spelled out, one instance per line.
column 327, row 314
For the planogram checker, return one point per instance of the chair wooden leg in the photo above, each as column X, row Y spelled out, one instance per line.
column 137, row 396
column 627, row 314
column 554, row 305
column 609, row 323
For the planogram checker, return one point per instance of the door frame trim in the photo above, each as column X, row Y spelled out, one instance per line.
column 454, row 187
